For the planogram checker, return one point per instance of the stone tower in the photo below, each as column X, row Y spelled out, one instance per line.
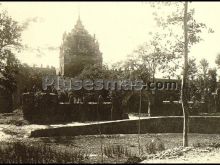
column 78, row 49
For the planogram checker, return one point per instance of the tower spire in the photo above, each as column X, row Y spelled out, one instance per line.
column 78, row 11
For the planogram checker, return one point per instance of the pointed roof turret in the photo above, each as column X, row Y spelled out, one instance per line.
column 79, row 28
column 78, row 47
column 79, row 23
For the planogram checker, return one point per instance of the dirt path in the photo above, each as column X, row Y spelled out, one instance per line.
column 91, row 144
column 13, row 125
column 196, row 155
column 9, row 132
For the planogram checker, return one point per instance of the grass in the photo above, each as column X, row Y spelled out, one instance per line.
column 118, row 148
column 122, row 148
column 86, row 149
column 156, row 145
column 19, row 152
column 14, row 118
column 117, row 151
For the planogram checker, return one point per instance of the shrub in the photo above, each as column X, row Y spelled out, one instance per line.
column 197, row 145
column 133, row 160
column 19, row 152
column 154, row 146
column 116, row 151
column 215, row 145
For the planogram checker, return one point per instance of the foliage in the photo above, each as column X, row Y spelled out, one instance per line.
column 155, row 57
column 133, row 160
column 212, row 79
column 183, row 20
column 29, row 77
column 10, row 32
column 204, row 66
column 203, row 69
column 9, row 71
column 154, row 146
column 217, row 60
column 116, row 151
column 10, row 41
column 169, row 16
column 174, row 18
column 214, row 145
column 94, row 72
column 193, row 71
column 135, row 69
column 20, row 152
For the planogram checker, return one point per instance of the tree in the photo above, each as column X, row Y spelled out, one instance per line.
column 10, row 33
column 156, row 57
column 203, row 73
column 10, row 41
column 9, row 71
column 184, row 86
column 193, row 71
column 183, row 18
column 204, row 66
column 217, row 60
column 193, row 75
column 94, row 72
column 212, row 79
column 29, row 77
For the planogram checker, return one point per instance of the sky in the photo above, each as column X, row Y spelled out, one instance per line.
column 119, row 27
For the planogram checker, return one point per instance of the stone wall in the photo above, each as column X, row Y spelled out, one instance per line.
column 45, row 108
column 5, row 101
column 198, row 124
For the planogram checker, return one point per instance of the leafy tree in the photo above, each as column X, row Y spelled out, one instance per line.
column 193, row 71
column 9, row 72
column 135, row 69
column 155, row 56
column 182, row 19
column 203, row 73
column 10, row 33
column 193, row 76
column 204, row 66
column 212, row 79
column 10, row 41
column 29, row 77
column 94, row 72
column 217, row 60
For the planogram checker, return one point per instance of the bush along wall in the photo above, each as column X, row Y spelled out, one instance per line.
column 45, row 108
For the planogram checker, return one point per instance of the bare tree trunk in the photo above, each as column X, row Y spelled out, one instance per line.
column 184, row 87
column 139, row 124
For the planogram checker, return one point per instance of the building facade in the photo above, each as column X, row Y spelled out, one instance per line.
column 78, row 49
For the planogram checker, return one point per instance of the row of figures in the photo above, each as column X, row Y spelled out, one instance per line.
column 69, row 96
column 75, row 100
column 210, row 101
column 53, row 105
column 66, row 97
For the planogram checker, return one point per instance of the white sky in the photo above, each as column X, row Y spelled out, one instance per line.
column 119, row 27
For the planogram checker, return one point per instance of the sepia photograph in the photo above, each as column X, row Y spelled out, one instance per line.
column 109, row 82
